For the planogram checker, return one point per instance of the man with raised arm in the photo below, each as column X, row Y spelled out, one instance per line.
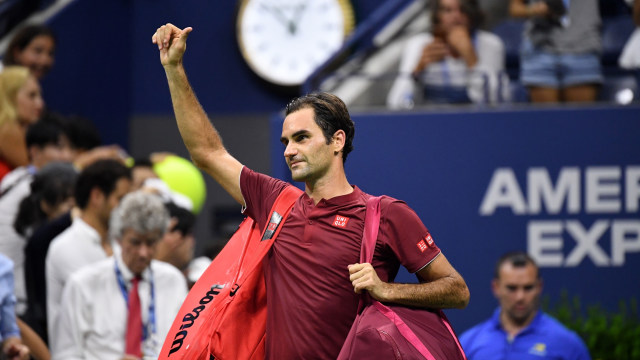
column 311, row 272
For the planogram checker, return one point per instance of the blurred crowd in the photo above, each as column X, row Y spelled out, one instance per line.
column 559, row 46
column 60, row 187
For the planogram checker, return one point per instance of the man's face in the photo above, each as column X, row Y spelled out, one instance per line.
column 175, row 248
column 141, row 173
column 122, row 188
column 518, row 290
column 306, row 150
column 60, row 151
column 138, row 249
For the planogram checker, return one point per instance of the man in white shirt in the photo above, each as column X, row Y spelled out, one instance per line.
column 46, row 142
column 98, row 191
column 94, row 316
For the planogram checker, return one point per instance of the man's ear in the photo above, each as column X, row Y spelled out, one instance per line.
column 34, row 152
column 96, row 196
column 494, row 287
column 338, row 141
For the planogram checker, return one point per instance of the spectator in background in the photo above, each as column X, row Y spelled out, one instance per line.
column 99, row 188
column 51, row 197
column 177, row 245
column 96, row 320
column 630, row 57
column 141, row 171
column 46, row 143
column 518, row 329
column 85, row 147
column 12, row 347
column 21, row 105
column 560, row 52
column 32, row 46
column 454, row 63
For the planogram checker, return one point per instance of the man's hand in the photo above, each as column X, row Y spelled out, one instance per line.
column 364, row 277
column 172, row 43
column 14, row 349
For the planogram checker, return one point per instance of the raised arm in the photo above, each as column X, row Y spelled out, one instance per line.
column 198, row 134
column 442, row 286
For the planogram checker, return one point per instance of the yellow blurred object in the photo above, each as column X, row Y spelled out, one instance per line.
column 183, row 177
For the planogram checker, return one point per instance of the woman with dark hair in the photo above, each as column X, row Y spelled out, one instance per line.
column 455, row 62
column 51, row 196
column 32, row 46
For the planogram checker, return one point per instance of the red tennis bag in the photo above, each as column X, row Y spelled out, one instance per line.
column 224, row 314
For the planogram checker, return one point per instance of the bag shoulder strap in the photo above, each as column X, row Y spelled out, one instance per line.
column 371, row 225
column 279, row 211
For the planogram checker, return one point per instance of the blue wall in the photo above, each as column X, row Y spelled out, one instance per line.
column 442, row 163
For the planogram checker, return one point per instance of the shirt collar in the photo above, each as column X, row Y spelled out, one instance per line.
column 127, row 274
column 337, row 200
column 495, row 321
column 92, row 233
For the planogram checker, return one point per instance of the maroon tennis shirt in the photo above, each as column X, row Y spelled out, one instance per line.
column 310, row 300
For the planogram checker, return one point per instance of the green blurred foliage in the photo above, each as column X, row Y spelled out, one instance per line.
column 609, row 335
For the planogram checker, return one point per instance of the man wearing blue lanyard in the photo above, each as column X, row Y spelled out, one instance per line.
column 123, row 306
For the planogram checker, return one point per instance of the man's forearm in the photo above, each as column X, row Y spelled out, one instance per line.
column 198, row 134
column 443, row 293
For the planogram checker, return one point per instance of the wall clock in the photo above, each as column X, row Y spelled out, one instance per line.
column 284, row 41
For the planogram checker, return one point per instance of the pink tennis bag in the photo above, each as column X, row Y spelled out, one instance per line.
column 396, row 331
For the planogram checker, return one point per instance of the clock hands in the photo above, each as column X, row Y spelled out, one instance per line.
column 277, row 13
column 297, row 16
column 290, row 24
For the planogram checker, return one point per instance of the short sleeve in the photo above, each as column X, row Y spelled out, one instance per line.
column 259, row 192
column 402, row 231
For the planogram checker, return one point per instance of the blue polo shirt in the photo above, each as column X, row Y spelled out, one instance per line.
column 544, row 338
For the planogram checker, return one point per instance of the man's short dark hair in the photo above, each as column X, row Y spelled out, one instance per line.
column 47, row 131
column 103, row 174
column 517, row 259
column 82, row 133
column 185, row 219
column 331, row 115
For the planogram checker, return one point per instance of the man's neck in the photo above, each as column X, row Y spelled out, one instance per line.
column 94, row 221
column 328, row 187
column 513, row 327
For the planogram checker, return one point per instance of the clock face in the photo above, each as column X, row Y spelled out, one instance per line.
column 284, row 41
